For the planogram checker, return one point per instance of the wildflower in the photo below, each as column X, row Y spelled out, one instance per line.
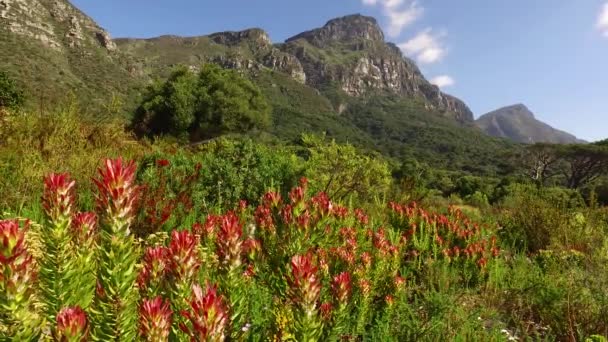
column 155, row 319
column 296, row 195
column 84, row 226
column 71, row 324
column 162, row 163
column 58, row 197
column 326, row 310
column 341, row 287
column 118, row 193
column 272, row 199
column 366, row 287
column 361, row 216
column 154, row 265
column 208, row 315
column 322, row 204
column 304, row 283
column 390, row 300
column 12, row 241
column 263, row 218
column 229, row 242
column 183, row 255
column 16, row 271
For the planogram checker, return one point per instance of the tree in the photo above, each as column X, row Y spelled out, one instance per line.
column 11, row 96
column 215, row 102
column 541, row 162
column 584, row 163
column 340, row 171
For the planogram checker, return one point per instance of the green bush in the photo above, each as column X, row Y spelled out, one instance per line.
column 11, row 96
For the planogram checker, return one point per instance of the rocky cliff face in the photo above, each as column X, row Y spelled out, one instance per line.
column 518, row 123
column 54, row 23
column 351, row 52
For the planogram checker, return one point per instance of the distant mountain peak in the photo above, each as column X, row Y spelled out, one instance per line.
column 517, row 122
column 347, row 28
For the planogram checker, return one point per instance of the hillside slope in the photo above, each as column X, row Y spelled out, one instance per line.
column 518, row 123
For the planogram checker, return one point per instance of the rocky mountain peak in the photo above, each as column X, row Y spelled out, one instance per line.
column 348, row 28
column 231, row 38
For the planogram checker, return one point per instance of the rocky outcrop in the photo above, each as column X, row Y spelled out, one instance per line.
column 286, row 63
column 55, row 23
column 351, row 52
column 518, row 123
column 347, row 28
column 258, row 37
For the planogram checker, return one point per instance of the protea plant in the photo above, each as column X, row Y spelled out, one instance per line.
column 115, row 306
column 155, row 319
column 71, row 325
column 58, row 272
column 207, row 317
column 18, row 321
column 304, row 292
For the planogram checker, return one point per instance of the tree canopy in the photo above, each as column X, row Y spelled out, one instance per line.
column 214, row 102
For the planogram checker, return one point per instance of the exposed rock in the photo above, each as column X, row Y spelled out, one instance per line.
column 347, row 28
column 230, row 38
column 104, row 39
column 286, row 63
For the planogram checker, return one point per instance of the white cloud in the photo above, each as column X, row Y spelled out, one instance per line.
column 400, row 13
column 602, row 21
column 426, row 47
column 442, row 81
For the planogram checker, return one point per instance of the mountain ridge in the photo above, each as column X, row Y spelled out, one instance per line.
column 518, row 123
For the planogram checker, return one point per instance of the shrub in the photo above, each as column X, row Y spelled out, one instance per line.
column 11, row 96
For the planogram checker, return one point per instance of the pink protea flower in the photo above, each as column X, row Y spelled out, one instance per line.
column 208, row 315
column 71, row 325
column 229, row 242
column 155, row 319
column 184, row 260
column 84, row 227
column 155, row 265
column 341, row 287
column 304, row 283
column 118, row 194
column 58, row 197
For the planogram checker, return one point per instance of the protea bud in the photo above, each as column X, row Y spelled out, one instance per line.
column 272, row 199
column 118, row 193
column 58, row 197
column 84, row 227
column 208, row 316
column 229, row 242
column 326, row 310
column 71, row 325
column 304, row 284
column 155, row 319
column 184, row 261
column 341, row 287
column 155, row 262
column 12, row 241
column 16, row 264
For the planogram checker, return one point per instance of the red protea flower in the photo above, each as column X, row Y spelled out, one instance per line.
column 155, row 319
column 340, row 212
column 366, row 259
column 326, row 310
column 361, row 216
column 341, row 287
column 184, row 260
column 71, row 325
column 58, row 196
column 12, row 241
column 84, row 227
column 322, row 204
column 304, row 283
column 272, row 199
column 251, row 247
column 208, row 315
column 229, row 242
column 263, row 218
column 399, row 283
column 390, row 300
column 297, row 195
column 303, row 220
column 16, row 271
column 155, row 265
column 118, row 193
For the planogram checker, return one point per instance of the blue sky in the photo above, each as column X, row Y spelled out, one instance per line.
column 551, row 55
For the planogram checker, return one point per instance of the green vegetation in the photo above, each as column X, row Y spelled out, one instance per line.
column 11, row 96
column 215, row 102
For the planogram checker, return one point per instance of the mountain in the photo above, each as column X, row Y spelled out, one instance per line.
column 343, row 80
column 518, row 123
column 52, row 48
